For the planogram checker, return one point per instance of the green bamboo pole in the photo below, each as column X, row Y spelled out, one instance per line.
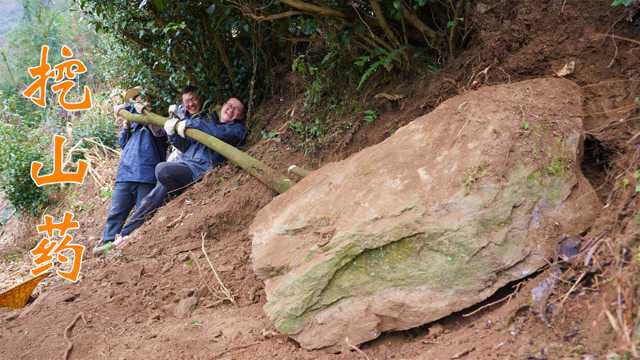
column 256, row 168
column 294, row 169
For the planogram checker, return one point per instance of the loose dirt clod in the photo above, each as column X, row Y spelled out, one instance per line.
column 186, row 306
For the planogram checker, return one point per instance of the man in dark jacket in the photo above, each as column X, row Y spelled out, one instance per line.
column 196, row 158
column 143, row 147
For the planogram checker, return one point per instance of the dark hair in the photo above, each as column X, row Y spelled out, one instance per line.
column 191, row 89
column 244, row 106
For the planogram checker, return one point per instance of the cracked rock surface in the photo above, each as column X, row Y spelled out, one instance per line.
column 435, row 219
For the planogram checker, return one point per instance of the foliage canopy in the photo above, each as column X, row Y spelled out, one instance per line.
column 241, row 47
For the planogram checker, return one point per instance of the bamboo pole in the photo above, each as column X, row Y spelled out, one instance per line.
column 294, row 169
column 256, row 168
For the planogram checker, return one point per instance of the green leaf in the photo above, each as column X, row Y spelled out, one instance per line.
column 158, row 5
column 373, row 68
column 105, row 192
column 525, row 125
column 370, row 116
column 621, row 2
column 454, row 22
column 362, row 60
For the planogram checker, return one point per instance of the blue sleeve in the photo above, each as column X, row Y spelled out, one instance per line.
column 162, row 145
column 130, row 108
column 123, row 138
column 124, row 133
column 232, row 134
column 179, row 142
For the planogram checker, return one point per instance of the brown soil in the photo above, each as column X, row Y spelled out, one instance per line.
column 132, row 299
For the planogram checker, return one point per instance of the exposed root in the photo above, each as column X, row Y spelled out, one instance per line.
column 506, row 298
column 177, row 220
column 204, row 280
column 573, row 288
column 225, row 291
column 67, row 334
column 620, row 38
column 234, row 348
column 357, row 349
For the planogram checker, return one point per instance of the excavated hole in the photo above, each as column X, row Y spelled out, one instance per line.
column 494, row 301
column 595, row 164
column 461, row 318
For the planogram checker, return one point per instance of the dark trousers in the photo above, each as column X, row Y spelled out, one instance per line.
column 172, row 177
column 125, row 196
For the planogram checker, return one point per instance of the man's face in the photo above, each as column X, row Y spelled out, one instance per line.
column 191, row 102
column 231, row 110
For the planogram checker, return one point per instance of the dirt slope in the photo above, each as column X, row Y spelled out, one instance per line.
column 132, row 301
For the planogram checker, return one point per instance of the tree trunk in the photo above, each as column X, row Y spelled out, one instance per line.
column 256, row 168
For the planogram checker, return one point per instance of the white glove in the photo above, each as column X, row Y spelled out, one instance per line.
column 181, row 127
column 117, row 108
column 170, row 126
column 172, row 109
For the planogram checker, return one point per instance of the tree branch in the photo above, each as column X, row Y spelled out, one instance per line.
column 320, row 10
column 377, row 11
column 382, row 21
column 223, row 56
column 274, row 17
column 415, row 21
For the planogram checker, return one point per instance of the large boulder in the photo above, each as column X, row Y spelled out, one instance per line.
column 436, row 218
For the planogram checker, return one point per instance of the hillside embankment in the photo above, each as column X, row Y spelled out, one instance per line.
column 158, row 298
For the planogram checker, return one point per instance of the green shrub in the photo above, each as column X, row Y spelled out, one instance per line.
column 97, row 124
column 310, row 132
column 18, row 148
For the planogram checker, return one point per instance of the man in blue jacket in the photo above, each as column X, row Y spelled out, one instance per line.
column 195, row 159
column 143, row 147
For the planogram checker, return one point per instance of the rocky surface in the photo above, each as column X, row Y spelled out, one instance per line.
column 434, row 219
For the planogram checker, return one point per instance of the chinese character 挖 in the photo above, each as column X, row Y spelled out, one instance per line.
column 63, row 76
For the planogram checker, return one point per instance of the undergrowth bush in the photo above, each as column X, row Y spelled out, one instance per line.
column 97, row 124
column 18, row 148
column 310, row 132
column 615, row 3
